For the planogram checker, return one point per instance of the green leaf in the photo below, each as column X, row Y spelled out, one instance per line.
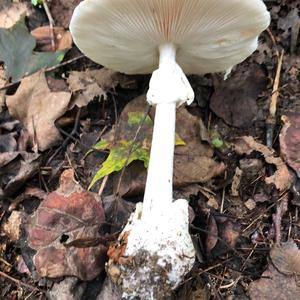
column 118, row 157
column 36, row 2
column 120, row 150
column 217, row 143
column 16, row 51
column 136, row 118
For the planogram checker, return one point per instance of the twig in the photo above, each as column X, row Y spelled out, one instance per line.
column 19, row 282
column 282, row 208
column 67, row 140
column 46, row 70
column 103, row 184
column 271, row 120
column 51, row 24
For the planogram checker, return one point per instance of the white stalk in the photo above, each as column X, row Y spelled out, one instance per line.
column 159, row 186
column 157, row 236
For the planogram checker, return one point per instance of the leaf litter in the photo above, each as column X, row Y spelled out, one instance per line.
column 235, row 215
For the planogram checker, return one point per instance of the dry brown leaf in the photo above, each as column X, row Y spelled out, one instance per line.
column 290, row 141
column 67, row 216
column 43, row 35
column 286, row 258
column 10, row 12
column 274, row 285
column 236, row 181
column 15, row 169
column 87, row 85
column 282, row 275
column 193, row 162
column 40, row 110
column 234, row 100
column 12, row 226
column 282, row 178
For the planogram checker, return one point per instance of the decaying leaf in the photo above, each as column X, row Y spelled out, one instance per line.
column 67, row 215
column 12, row 226
column 43, row 36
column 286, row 258
column 282, row 275
column 40, row 110
column 16, row 51
column 282, row 178
column 193, row 161
column 234, row 100
column 15, row 169
column 290, row 141
column 87, row 85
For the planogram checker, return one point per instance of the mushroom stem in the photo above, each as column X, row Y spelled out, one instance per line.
column 168, row 87
column 159, row 186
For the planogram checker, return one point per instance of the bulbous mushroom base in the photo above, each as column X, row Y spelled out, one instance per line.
column 158, row 253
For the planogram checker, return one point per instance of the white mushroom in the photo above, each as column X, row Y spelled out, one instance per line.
column 178, row 37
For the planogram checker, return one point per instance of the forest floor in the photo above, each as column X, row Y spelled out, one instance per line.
column 70, row 125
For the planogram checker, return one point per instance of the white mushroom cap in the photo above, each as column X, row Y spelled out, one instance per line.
column 210, row 35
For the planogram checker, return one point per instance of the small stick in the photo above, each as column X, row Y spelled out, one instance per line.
column 271, row 121
column 51, row 24
column 19, row 282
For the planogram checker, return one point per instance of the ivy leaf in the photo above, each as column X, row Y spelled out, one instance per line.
column 16, row 51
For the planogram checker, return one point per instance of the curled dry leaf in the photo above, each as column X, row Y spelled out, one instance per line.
column 12, row 226
column 43, row 36
column 282, row 178
column 40, row 110
column 290, row 141
column 282, row 275
column 87, row 85
column 67, row 215
column 15, row 169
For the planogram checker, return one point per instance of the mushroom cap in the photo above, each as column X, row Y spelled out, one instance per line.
column 210, row 35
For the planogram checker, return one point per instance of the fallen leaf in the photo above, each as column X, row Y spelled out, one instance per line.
column 236, row 181
column 282, row 275
column 286, row 258
column 43, row 35
column 8, row 143
column 15, row 169
column 283, row 287
column 16, row 51
column 11, row 12
column 234, row 99
column 66, row 215
column 117, row 211
column 89, row 84
column 40, row 110
column 250, row 204
column 67, row 289
column 290, row 141
column 12, row 226
column 282, row 178
column 212, row 234
column 193, row 160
